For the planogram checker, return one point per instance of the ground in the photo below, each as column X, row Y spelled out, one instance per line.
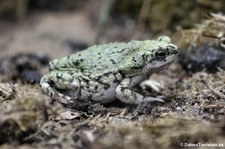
column 192, row 114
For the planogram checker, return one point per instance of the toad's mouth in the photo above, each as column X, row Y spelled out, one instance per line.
column 170, row 59
column 159, row 65
column 155, row 66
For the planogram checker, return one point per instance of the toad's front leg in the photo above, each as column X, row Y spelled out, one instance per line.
column 54, row 81
column 125, row 94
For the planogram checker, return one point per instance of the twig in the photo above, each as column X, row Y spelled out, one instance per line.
column 143, row 15
column 214, row 91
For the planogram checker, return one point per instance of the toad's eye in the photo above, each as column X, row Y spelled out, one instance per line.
column 161, row 54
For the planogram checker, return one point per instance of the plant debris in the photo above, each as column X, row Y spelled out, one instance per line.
column 24, row 67
column 207, row 57
column 210, row 31
column 203, row 46
column 7, row 91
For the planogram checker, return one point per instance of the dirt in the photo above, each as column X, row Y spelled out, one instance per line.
column 191, row 116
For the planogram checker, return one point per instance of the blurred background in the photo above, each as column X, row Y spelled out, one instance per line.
column 60, row 27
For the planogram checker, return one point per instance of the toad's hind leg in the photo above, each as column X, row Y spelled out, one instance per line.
column 54, row 81
column 125, row 94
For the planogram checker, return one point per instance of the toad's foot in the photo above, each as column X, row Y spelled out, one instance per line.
column 156, row 86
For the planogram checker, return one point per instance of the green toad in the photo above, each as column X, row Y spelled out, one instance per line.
column 102, row 73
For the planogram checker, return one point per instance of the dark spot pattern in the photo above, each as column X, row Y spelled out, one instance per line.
column 134, row 60
column 115, row 80
column 121, row 51
column 136, row 67
column 64, row 66
column 113, row 61
column 81, row 69
column 76, row 63
column 121, row 73
column 59, row 75
column 107, row 74
column 99, row 58
column 143, row 57
column 106, row 86
column 85, row 80
column 89, row 96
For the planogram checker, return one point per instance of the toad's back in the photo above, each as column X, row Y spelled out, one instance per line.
column 96, row 58
column 113, row 57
